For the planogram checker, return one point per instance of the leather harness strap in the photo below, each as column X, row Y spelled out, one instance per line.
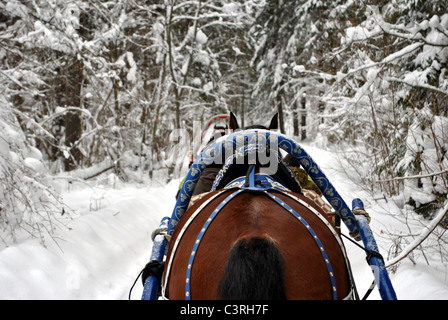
column 315, row 237
column 200, row 236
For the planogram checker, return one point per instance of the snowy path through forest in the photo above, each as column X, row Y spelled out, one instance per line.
column 99, row 257
column 108, row 243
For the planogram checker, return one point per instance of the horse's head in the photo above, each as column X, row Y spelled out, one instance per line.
column 234, row 126
column 218, row 131
column 240, row 163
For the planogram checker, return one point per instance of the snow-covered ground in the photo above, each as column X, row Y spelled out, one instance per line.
column 108, row 241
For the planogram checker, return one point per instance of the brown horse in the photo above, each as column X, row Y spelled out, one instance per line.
column 255, row 249
column 260, row 245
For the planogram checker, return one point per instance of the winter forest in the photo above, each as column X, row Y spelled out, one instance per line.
column 89, row 87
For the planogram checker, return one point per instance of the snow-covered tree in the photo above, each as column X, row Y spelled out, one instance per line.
column 293, row 55
column 109, row 81
column 197, row 45
column 29, row 205
column 390, row 96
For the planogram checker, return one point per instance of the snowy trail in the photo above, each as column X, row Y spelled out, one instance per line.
column 108, row 243
column 100, row 256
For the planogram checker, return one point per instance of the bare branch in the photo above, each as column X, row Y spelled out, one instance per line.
column 422, row 237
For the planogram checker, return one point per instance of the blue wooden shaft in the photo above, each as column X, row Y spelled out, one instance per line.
column 382, row 280
column 158, row 251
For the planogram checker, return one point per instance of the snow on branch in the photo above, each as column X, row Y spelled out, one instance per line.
column 417, row 83
column 389, row 59
column 414, row 177
column 429, row 36
column 17, row 82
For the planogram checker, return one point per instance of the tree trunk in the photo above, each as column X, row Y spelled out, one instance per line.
column 303, row 117
column 69, row 95
column 280, row 114
column 295, row 116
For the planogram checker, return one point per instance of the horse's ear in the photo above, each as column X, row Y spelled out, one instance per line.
column 233, row 123
column 274, row 122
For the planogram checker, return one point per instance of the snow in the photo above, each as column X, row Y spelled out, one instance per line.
column 131, row 76
column 359, row 33
column 4, row 147
column 35, row 165
column 394, row 87
column 420, row 282
column 198, row 35
column 100, row 253
column 107, row 242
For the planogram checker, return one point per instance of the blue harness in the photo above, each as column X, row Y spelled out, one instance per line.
column 256, row 183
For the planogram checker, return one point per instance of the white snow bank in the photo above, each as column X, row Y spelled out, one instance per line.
column 419, row 282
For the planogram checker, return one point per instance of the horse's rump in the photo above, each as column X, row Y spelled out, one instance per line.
column 255, row 216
